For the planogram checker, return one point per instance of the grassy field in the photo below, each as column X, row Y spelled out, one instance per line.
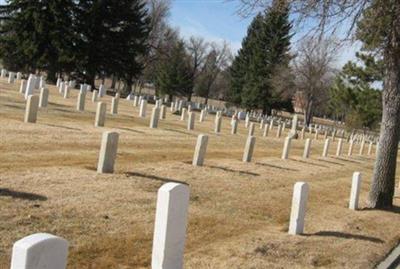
column 239, row 212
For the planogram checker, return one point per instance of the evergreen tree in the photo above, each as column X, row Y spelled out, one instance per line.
column 264, row 50
column 173, row 75
column 37, row 35
column 353, row 97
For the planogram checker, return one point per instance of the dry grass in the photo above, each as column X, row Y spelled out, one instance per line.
column 238, row 212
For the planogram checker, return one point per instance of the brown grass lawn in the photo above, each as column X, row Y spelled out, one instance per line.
column 239, row 213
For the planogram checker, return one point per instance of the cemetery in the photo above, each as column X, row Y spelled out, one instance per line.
column 172, row 134
column 98, row 183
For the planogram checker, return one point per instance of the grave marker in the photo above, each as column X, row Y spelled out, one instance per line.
column 80, row 105
column 163, row 112
column 307, row 148
column 200, row 150
column 108, row 152
column 43, row 97
column 326, row 147
column 142, row 109
column 249, row 148
column 190, row 123
column 251, row 129
column 286, row 148
column 100, row 114
column 155, row 115
column 355, row 191
column 339, row 147
column 39, row 251
column 298, row 212
column 170, row 226
column 31, row 109
column 218, row 121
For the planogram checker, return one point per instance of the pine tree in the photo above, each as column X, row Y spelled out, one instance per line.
column 173, row 75
column 353, row 97
column 264, row 50
column 113, row 36
column 36, row 35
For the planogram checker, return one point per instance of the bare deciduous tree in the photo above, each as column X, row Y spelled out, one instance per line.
column 216, row 61
column 313, row 70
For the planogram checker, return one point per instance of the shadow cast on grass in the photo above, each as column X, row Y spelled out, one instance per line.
column 348, row 236
column 131, row 130
column 226, row 169
column 63, row 127
column 314, row 164
column 177, row 131
column 346, row 160
column 330, row 162
column 162, row 179
column 277, row 167
column 22, row 195
column 394, row 209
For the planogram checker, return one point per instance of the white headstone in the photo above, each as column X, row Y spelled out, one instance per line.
column 40, row 251
column 218, row 122
column 299, row 205
column 11, row 77
column 307, row 148
column 170, row 226
column 200, row 150
column 191, row 119
column 339, row 147
column 108, row 152
column 163, row 112
column 43, row 98
column 351, row 148
column 94, row 96
column 326, row 147
column 286, row 148
column 102, row 90
column 155, row 115
column 251, row 129
column 142, row 110
column 355, row 190
column 100, row 114
column 249, row 148
column 183, row 114
column 22, row 88
column 80, row 105
column 30, row 86
column 114, row 104
column 31, row 109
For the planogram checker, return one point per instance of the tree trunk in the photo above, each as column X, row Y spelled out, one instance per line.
column 113, row 82
column 308, row 113
column 383, row 181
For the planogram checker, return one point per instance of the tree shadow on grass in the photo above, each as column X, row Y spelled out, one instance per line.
column 131, row 130
column 314, row 164
column 22, row 195
column 64, row 127
column 394, row 209
column 347, row 160
column 330, row 162
column 347, row 236
column 277, row 167
column 177, row 131
column 162, row 179
column 226, row 169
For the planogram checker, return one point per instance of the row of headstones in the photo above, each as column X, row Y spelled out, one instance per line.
column 38, row 82
column 42, row 250
column 109, row 146
column 158, row 112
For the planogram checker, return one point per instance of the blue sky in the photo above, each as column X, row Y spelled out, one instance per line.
column 217, row 20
